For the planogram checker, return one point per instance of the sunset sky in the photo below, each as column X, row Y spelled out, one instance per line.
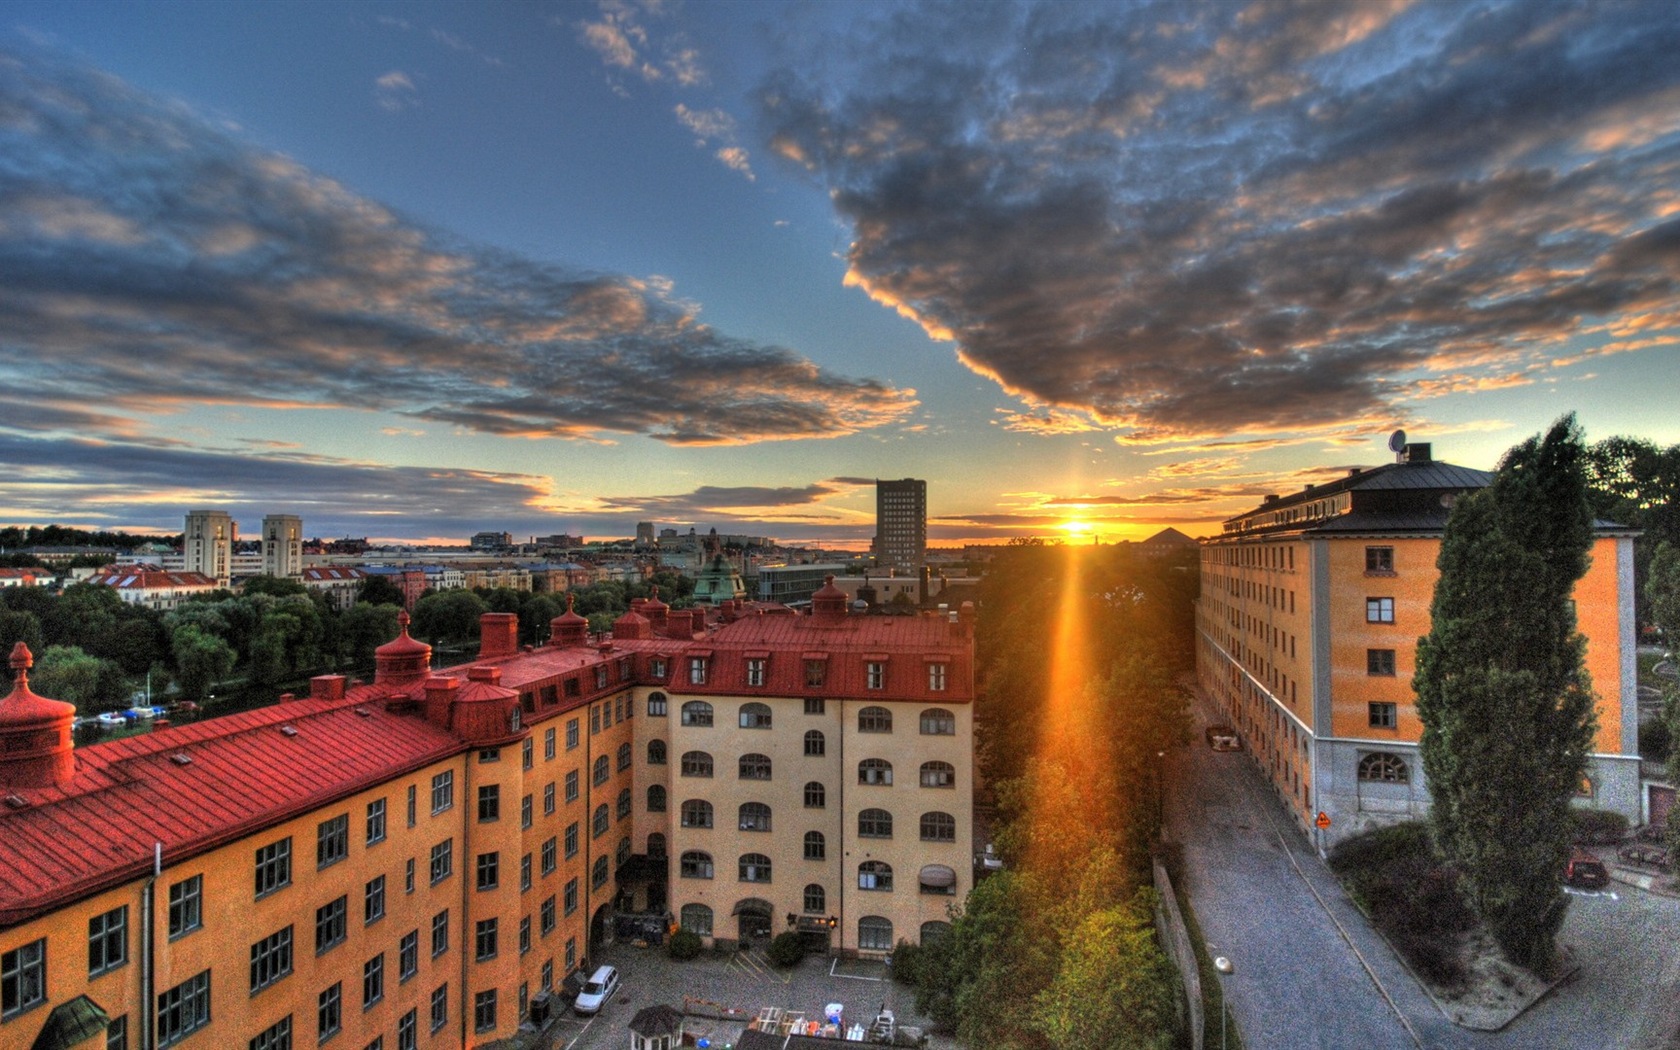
column 421, row 270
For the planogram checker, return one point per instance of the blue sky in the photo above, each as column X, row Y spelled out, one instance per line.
column 417, row 270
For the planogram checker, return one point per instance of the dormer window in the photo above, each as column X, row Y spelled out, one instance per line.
column 755, row 671
column 697, row 670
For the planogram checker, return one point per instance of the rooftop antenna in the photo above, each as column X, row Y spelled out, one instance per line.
column 1397, row 445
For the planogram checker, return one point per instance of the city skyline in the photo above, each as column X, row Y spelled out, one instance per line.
column 412, row 271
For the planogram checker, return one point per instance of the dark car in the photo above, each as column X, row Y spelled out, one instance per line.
column 1585, row 871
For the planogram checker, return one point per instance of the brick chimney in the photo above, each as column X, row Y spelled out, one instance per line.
column 498, row 635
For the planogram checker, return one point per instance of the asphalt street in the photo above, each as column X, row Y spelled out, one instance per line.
column 1311, row 973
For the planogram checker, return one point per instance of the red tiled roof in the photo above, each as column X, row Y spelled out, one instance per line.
column 152, row 580
column 98, row 830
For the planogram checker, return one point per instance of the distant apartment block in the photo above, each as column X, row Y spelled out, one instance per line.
column 282, row 546
column 207, row 545
column 1311, row 608
column 489, row 541
column 901, row 524
column 152, row 587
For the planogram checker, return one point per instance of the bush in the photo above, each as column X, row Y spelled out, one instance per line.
column 1411, row 896
column 685, row 944
column 1598, row 827
column 907, row 963
column 786, row 949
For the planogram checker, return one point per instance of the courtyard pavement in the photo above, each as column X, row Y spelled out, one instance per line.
column 741, row 981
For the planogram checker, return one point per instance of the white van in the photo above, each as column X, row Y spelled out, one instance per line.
column 596, row 991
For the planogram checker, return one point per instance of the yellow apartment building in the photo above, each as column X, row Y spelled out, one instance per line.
column 421, row 860
column 1310, row 612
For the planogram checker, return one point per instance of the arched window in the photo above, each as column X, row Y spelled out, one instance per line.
column 656, row 845
column 697, row 918
column 816, row 899
column 939, row 827
column 939, row 775
column 755, row 867
column 875, row 934
column 755, row 767
column 1384, row 767
column 875, row 771
column 696, row 813
column 622, row 854
column 816, row 796
column 755, row 716
column 603, row 770
column 697, row 713
column 598, row 873
column 656, row 798
column 936, row 721
column 624, row 756
column 624, row 803
column 816, row 847
column 755, row 816
column 656, row 752
column 696, row 764
column 695, row 865
column 656, row 704
column 874, row 875
column 601, row 821
column 815, row 745
column 934, row 931
column 874, row 720
column 875, row 824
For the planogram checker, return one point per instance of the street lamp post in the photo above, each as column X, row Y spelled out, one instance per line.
column 1223, row 966
column 1161, row 795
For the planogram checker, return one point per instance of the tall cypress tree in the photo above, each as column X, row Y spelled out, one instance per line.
column 1503, row 692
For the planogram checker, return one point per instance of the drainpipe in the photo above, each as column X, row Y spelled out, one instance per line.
column 148, row 948
column 840, row 930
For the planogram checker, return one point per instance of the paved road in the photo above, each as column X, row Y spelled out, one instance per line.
column 1310, row 973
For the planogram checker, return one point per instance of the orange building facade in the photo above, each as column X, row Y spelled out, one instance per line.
column 419, row 861
column 1310, row 612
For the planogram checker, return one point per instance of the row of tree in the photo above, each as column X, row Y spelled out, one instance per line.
column 1078, row 649
column 95, row 650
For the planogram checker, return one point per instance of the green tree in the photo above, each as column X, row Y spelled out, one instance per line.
column 448, row 616
column 17, row 626
column 379, row 590
column 201, row 660
column 1632, row 481
column 65, row 672
column 277, row 586
column 1506, row 705
column 362, row 628
column 1113, row 989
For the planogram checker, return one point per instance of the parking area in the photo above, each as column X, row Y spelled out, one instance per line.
column 740, row 981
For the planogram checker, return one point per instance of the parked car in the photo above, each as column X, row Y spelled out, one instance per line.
column 596, row 991
column 112, row 719
column 1223, row 738
column 1585, row 871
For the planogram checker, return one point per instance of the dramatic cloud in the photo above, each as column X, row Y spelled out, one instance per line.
column 129, row 485
column 1188, row 220
column 149, row 261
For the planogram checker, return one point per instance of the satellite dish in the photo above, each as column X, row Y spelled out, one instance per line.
column 1397, row 441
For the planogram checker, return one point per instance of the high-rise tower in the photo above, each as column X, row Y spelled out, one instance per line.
column 282, row 545
column 901, row 524
column 207, row 544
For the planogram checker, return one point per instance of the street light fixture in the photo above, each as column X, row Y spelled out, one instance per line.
column 1223, row 966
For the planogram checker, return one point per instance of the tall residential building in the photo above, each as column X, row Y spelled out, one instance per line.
column 901, row 524
column 478, row 831
column 207, row 544
column 645, row 539
column 1311, row 608
column 282, row 545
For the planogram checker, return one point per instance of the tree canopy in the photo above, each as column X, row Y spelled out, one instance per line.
column 1502, row 690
